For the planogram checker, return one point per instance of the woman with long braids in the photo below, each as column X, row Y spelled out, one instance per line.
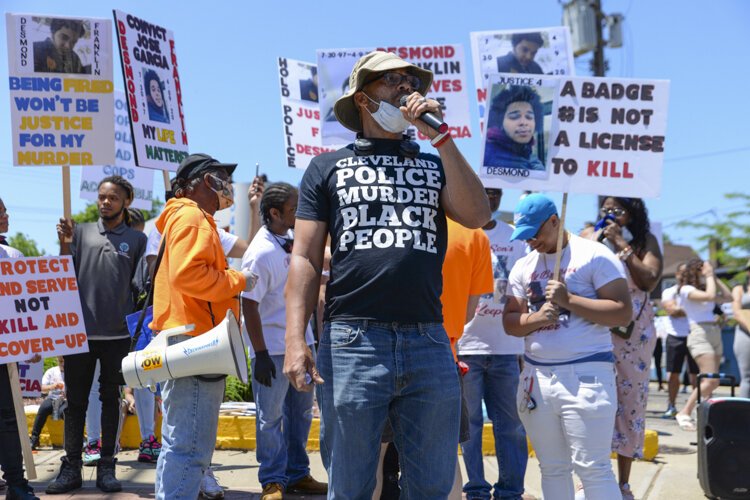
column 628, row 235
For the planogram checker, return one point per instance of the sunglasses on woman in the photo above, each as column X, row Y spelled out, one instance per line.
column 617, row 212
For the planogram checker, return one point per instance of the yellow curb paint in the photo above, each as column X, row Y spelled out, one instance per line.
column 238, row 433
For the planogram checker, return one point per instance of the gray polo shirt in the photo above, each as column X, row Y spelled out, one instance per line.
column 105, row 262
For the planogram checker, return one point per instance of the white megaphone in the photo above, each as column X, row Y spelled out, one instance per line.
column 220, row 351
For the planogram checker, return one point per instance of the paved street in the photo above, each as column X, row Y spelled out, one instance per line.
column 671, row 476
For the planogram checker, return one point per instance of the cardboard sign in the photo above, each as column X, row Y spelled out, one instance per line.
column 494, row 52
column 40, row 309
column 60, row 93
column 448, row 85
column 142, row 179
column 154, row 95
column 606, row 136
column 31, row 375
column 300, row 111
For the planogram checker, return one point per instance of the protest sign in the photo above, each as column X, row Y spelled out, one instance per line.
column 31, row 375
column 537, row 51
column 518, row 123
column 142, row 179
column 606, row 137
column 300, row 110
column 153, row 91
column 60, row 92
column 446, row 62
column 40, row 309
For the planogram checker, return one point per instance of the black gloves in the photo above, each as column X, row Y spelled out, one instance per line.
column 264, row 370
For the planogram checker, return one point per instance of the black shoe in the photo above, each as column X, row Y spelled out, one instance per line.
column 21, row 492
column 68, row 479
column 34, row 442
column 105, row 475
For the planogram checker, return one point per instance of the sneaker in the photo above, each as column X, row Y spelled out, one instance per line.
column 272, row 491
column 92, row 453
column 21, row 492
column 68, row 479
column 105, row 475
column 670, row 413
column 308, row 486
column 210, row 487
column 627, row 494
column 149, row 450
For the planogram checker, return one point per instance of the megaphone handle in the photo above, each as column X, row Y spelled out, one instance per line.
column 178, row 330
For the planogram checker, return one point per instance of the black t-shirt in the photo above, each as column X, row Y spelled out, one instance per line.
column 388, row 232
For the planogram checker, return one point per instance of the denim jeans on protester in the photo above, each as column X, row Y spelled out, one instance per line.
column 282, row 426
column 494, row 378
column 378, row 371
column 571, row 427
column 190, row 417
column 145, row 403
column 94, row 410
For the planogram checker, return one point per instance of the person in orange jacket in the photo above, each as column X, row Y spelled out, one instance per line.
column 193, row 284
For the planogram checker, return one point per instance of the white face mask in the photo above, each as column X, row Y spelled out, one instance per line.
column 626, row 235
column 389, row 117
column 224, row 191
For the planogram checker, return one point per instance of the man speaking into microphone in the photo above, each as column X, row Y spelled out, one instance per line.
column 384, row 354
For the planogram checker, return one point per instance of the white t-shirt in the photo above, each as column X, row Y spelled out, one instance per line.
column 7, row 252
column 696, row 310
column 586, row 266
column 677, row 327
column 266, row 258
column 485, row 334
column 154, row 240
column 53, row 376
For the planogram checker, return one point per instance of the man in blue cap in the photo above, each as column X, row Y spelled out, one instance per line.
column 567, row 397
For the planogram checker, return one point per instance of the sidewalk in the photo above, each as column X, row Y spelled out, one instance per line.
column 671, row 475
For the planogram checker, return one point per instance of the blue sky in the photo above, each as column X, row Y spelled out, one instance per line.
column 227, row 53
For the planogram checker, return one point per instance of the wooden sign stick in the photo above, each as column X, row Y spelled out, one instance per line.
column 23, row 430
column 560, row 237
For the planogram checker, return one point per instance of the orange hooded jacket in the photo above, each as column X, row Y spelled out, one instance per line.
column 193, row 279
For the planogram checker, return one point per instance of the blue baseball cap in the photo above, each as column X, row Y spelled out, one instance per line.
column 531, row 212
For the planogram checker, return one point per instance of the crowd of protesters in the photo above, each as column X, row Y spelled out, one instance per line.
column 423, row 330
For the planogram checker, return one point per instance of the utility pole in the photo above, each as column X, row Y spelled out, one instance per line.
column 598, row 63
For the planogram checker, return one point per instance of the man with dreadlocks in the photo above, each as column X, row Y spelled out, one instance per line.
column 105, row 255
column 284, row 465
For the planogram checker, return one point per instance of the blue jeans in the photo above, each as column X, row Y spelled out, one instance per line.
column 282, row 426
column 378, row 371
column 190, row 417
column 494, row 378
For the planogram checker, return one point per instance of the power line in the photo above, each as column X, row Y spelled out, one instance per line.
column 707, row 155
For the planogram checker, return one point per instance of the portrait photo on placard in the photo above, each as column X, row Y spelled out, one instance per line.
column 518, row 124
column 61, row 45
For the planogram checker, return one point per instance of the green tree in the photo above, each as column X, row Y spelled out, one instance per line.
column 26, row 245
column 728, row 239
column 91, row 212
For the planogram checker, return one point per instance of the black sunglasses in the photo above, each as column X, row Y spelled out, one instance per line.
column 393, row 79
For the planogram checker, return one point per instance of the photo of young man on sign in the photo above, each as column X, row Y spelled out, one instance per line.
column 516, row 141
column 59, row 52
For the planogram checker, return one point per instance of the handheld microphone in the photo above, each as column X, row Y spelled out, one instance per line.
column 601, row 225
column 430, row 119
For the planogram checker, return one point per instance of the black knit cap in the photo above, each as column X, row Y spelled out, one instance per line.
column 199, row 163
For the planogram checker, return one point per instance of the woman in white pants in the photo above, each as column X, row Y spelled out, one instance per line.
column 567, row 395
